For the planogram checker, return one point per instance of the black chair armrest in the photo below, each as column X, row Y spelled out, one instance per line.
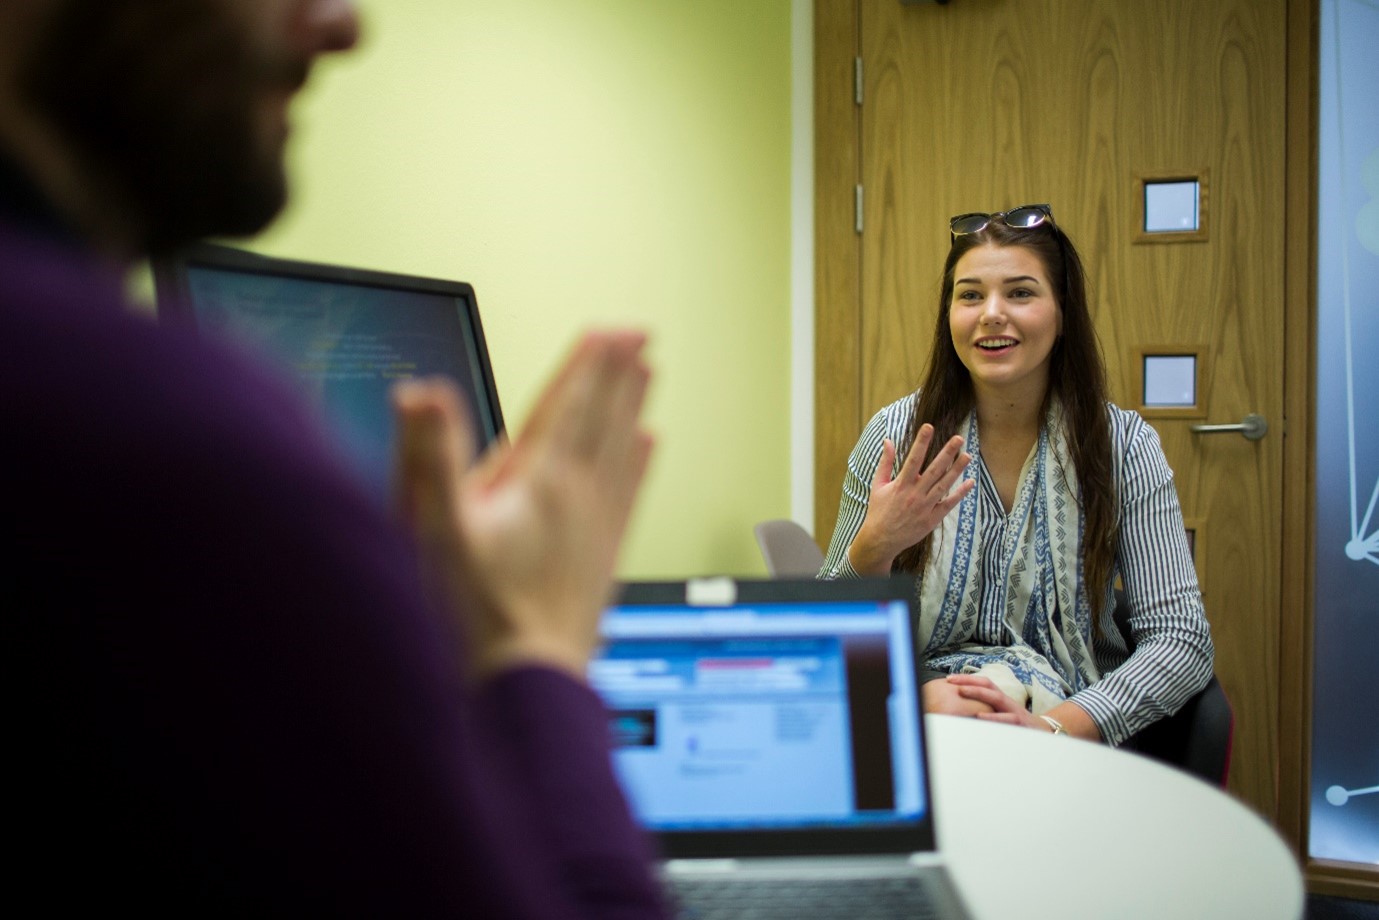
column 1198, row 737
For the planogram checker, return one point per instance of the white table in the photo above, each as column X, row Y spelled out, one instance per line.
column 1038, row 826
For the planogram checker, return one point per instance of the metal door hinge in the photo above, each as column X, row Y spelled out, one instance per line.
column 857, row 81
column 857, row 210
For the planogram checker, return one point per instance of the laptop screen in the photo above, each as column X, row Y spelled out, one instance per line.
column 345, row 334
column 771, row 710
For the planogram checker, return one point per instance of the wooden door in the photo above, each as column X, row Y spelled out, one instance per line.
column 979, row 105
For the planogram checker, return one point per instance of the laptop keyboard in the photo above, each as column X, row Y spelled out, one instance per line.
column 865, row 898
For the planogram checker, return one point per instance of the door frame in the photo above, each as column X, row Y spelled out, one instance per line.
column 837, row 254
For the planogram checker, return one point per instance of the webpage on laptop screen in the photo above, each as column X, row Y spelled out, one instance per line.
column 777, row 715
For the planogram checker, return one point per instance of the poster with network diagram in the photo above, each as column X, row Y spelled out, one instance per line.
column 1344, row 791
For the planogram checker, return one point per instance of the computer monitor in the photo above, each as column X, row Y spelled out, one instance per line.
column 345, row 334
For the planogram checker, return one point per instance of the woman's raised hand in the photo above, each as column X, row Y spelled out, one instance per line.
column 905, row 508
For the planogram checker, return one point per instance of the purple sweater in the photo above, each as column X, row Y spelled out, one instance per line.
column 229, row 692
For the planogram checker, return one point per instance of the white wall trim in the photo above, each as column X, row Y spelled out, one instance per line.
column 802, row 262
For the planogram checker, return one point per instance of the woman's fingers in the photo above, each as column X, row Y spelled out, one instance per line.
column 940, row 697
column 954, row 498
column 884, row 465
column 977, row 689
column 914, row 460
column 993, row 698
column 905, row 507
column 937, row 478
column 946, row 466
column 1005, row 718
column 982, row 690
column 971, row 680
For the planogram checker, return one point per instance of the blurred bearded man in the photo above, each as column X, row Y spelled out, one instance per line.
column 233, row 694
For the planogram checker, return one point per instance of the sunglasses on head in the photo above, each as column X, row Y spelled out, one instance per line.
column 1024, row 217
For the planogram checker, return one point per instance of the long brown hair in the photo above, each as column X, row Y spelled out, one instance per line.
column 1077, row 376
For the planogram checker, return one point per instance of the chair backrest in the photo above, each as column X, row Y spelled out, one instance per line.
column 788, row 549
column 1196, row 738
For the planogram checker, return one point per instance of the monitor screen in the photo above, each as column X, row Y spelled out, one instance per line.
column 345, row 334
column 782, row 712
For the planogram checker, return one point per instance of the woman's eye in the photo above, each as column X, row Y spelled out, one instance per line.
column 968, row 296
column 1021, row 293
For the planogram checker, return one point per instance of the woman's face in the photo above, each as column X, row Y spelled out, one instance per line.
column 1004, row 320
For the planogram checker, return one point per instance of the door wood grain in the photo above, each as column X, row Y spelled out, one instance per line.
column 988, row 104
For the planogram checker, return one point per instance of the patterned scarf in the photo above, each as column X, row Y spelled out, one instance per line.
column 1044, row 658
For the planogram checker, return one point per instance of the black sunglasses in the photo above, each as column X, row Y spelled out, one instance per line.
column 1024, row 217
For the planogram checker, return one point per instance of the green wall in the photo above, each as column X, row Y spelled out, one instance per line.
column 585, row 163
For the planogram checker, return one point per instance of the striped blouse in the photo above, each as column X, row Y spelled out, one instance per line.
column 1173, row 649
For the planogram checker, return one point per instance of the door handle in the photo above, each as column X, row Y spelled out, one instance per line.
column 1253, row 427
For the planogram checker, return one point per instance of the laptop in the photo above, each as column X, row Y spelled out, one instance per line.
column 769, row 734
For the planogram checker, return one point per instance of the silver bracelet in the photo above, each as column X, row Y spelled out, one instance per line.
column 1056, row 725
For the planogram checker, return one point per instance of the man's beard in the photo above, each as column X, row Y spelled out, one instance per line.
column 157, row 99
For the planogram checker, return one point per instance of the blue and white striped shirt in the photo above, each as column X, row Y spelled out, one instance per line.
column 1173, row 649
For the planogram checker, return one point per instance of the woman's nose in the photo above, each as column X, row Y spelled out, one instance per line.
column 993, row 310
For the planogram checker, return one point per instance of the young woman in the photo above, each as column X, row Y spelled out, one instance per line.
column 1019, row 541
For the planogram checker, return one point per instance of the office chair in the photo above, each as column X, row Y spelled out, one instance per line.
column 789, row 550
column 1197, row 738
